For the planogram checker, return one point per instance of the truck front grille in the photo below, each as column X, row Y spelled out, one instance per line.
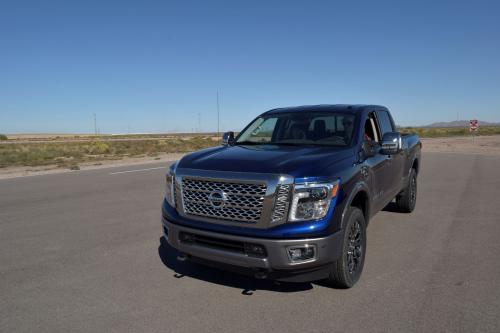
column 223, row 200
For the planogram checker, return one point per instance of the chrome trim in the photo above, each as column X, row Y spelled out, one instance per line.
column 271, row 180
column 298, row 262
column 223, row 200
column 218, row 198
column 282, row 203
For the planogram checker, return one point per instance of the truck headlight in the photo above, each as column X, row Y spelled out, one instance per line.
column 311, row 201
column 170, row 185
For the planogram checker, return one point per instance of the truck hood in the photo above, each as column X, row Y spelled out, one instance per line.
column 301, row 161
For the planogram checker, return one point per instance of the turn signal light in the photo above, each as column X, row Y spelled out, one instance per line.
column 335, row 189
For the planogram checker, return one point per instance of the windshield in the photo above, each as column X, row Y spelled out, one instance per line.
column 313, row 128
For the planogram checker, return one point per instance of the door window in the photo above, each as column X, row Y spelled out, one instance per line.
column 385, row 122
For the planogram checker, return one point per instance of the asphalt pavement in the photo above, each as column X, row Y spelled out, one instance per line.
column 81, row 252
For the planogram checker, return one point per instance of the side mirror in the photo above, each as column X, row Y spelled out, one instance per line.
column 391, row 143
column 228, row 139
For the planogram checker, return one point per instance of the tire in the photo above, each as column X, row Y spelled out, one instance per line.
column 407, row 199
column 345, row 272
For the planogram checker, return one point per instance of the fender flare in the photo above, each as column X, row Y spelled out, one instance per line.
column 358, row 187
column 416, row 158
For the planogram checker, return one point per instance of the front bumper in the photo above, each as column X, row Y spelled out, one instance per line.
column 275, row 264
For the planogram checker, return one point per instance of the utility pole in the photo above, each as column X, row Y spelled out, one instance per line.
column 218, row 116
column 95, row 124
column 199, row 122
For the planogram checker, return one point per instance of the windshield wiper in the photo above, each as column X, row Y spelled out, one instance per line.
column 250, row 143
column 293, row 144
column 297, row 143
column 287, row 143
column 314, row 144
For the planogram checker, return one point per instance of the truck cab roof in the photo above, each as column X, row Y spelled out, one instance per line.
column 348, row 108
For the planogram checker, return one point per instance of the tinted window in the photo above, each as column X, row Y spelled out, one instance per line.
column 385, row 122
column 319, row 128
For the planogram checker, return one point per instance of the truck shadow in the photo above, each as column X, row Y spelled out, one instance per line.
column 248, row 284
column 392, row 208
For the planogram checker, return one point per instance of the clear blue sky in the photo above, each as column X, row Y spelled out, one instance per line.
column 152, row 66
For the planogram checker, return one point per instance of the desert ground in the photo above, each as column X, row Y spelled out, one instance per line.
column 484, row 145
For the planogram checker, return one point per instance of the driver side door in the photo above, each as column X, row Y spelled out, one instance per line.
column 377, row 167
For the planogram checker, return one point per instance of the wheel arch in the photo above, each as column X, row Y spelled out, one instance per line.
column 416, row 165
column 359, row 197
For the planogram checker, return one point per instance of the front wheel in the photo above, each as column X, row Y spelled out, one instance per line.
column 345, row 272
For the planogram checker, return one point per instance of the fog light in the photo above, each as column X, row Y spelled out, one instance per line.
column 302, row 253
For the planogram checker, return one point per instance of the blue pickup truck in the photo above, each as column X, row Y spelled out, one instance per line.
column 289, row 198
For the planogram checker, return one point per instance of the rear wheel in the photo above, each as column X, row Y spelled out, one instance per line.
column 345, row 272
column 407, row 200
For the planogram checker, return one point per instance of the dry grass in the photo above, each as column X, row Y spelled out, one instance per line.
column 69, row 154
column 103, row 137
column 425, row 132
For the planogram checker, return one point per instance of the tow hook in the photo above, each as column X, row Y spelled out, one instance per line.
column 260, row 274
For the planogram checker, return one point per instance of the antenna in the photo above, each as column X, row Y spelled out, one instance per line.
column 218, row 116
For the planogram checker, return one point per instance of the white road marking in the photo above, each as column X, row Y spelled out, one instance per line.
column 138, row 170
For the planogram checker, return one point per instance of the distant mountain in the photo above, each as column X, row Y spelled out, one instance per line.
column 461, row 123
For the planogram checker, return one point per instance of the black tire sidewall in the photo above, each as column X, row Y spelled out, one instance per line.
column 354, row 214
column 404, row 201
column 413, row 176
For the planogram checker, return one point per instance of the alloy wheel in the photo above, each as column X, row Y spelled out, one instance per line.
column 354, row 248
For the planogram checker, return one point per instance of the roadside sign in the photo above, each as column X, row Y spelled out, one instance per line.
column 474, row 125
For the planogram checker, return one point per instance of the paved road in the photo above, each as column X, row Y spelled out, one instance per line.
column 81, row 252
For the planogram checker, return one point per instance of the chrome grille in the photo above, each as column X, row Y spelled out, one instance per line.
column 242, row 202
column 281, row 203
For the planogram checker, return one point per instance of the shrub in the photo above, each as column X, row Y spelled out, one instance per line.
column 3, row 137
column 70, row 154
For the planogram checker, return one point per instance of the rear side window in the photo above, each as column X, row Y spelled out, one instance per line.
column 385, row 122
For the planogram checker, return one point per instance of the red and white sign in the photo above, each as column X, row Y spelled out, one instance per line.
column 474, row 125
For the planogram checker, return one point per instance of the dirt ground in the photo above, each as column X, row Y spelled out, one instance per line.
column 484, row 145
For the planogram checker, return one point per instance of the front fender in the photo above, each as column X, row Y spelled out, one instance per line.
column 359, row 187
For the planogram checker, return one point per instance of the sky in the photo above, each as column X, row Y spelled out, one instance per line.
column 156, row 66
